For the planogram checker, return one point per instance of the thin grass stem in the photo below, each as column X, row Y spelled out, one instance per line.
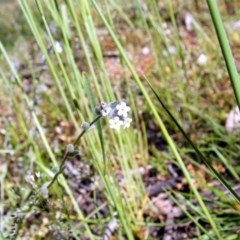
column 226, row 49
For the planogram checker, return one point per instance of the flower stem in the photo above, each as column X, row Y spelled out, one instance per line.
column 76, row 142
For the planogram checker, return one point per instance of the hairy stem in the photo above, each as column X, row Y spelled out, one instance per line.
column 67, row 154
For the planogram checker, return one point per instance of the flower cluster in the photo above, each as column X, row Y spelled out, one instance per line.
column 118, row 113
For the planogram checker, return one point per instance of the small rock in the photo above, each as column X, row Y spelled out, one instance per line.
column 202, row 60
column 233, row 121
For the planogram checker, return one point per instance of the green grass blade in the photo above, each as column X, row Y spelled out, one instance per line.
column 202, row 157
column 225, row 47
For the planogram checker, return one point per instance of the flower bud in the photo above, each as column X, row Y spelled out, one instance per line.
column 85, row 125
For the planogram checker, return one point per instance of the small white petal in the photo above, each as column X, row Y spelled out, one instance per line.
column 127, row 122
column 38, row 174
column 121, row 105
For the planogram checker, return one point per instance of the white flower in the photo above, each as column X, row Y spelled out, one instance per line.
column 58, row 47
column 123, row 109
column 115, row 123
column 127, row 122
